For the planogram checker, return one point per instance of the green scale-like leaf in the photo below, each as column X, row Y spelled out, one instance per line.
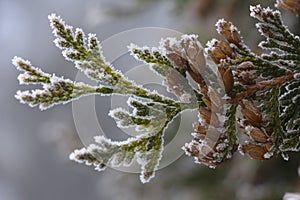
column 146, row 148
column 289, row 106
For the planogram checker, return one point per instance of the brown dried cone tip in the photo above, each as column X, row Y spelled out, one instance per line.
column 207, row 147
column 226, row 78
column 187, row 55
column 256, row 151
column 229, row 31
column 245, row 74
column 251, row 112
column 254, row 127
column 220, row 52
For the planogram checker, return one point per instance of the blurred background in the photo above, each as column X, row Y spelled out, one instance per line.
column 35, row 145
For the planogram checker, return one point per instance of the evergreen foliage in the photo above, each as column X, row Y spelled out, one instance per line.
column 237, row 91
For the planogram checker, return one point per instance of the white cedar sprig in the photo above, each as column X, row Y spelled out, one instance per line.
column 240, row 80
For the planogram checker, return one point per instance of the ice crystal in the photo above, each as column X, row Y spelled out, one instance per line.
column 291, row 196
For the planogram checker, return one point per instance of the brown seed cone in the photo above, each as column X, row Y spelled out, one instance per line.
column 199, row 128
column 226, row 78
column 177, row 61
column 230, row 32
column 200, row 131
column 209, row 117
column 216, row 55
column 214, row 97
column 203, row 90
column 245, row 78
column 245, row 73
column 226, row 49
column 245, row 66
column 258, row 135
column 207, row 102
column 213, row 101
column 220, row 50
column 251, row 112
column 256, row 152
column 197, row 78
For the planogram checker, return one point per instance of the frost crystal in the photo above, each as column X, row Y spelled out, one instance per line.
column 219, row 25
column 267, row 155
column 210, row 45
column 291, row 196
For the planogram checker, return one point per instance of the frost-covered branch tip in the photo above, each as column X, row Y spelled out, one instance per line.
column 56, row 90
column 151, row 112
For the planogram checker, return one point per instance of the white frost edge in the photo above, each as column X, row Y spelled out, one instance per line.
column 219, row 24
column 291, row 196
